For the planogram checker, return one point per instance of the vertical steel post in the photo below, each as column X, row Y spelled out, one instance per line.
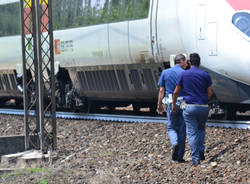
column 52, row 75
column 25, row 96
column 38, row 74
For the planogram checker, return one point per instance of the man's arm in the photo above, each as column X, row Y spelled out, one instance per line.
column 160, row 97
column 209, row 92
column 176, row 93
column 209, row 89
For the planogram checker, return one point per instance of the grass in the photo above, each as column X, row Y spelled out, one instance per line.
column 67, row 171
column 96, row 155
column 38, row 170
column 14, row 173
column 42, row 181
column 23, row 171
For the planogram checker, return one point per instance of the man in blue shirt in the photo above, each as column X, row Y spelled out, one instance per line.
column 176, row 125
column 197, row 88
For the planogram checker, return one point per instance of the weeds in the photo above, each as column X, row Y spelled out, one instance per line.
column 14, row 173
column 39, row 170
column 24, row 171
column 42, row 181
column 105, row 154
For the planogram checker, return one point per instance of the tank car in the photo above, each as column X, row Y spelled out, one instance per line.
column 115, row 58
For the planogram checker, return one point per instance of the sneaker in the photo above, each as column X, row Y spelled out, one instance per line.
column 195, row 164
column 181, row 160
column 175, row 153
column 202, row 156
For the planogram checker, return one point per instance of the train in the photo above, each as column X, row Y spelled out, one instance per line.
column 113, row 62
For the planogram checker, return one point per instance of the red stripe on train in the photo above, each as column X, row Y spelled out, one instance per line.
column 240, row 4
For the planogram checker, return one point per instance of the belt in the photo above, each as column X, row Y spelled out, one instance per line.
column 198, row 105
column 180, row 98
column 167, row 100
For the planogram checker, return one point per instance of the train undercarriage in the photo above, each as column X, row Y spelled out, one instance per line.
column 91, row 88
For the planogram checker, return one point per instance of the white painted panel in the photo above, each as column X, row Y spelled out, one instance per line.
column 201, row 21
column 106, row 44
column 212, row 38
column 140, row 42
column 118, row 42
column 186, row 12
column 10, row 52
column 86, row 46
column 154, row 39
column 168, row 30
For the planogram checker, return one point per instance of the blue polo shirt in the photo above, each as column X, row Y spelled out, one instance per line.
column 194, row 83
column 169, row 78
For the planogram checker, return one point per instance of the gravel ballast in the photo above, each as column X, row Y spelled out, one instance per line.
column 106, row 152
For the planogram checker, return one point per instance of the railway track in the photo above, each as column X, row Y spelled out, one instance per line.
column 128, row 118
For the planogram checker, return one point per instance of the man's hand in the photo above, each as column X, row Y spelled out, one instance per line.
column 160, row 109
column 160, row 97
column 176, row 93
column 174, row 107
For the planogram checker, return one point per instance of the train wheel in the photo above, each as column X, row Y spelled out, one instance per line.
column 152, row 109
column 18, row 102
column 229, row 112
column 91, row 107
column 2, row 102
column 136, row 108
column 111, row 107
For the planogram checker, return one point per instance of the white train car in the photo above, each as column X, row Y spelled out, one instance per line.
column 118, row 61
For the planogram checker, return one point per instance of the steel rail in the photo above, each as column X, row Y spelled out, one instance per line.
column 128, row 118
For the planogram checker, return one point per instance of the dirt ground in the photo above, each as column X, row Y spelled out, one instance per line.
column 97, row 152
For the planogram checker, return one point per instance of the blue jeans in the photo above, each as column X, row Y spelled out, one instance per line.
column 195, row 118
column 176, row 130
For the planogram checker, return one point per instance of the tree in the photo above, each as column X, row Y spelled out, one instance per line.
column 9, row 19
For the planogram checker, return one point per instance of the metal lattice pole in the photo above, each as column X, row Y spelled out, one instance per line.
column 38, row 74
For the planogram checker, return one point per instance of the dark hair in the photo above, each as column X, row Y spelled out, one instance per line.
column 195, row 59
column 178, row 58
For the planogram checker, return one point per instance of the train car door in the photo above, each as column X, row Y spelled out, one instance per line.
column 153, row 30
column 206, row 32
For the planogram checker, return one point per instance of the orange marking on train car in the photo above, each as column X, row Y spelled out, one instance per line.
column 57, row 47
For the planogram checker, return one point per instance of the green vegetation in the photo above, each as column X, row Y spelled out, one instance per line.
column 26, row 171
column 14, row 173
column 9, row 19
column 105, row 154
column 39, row 170
column 42, row 181
column 77, row 13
